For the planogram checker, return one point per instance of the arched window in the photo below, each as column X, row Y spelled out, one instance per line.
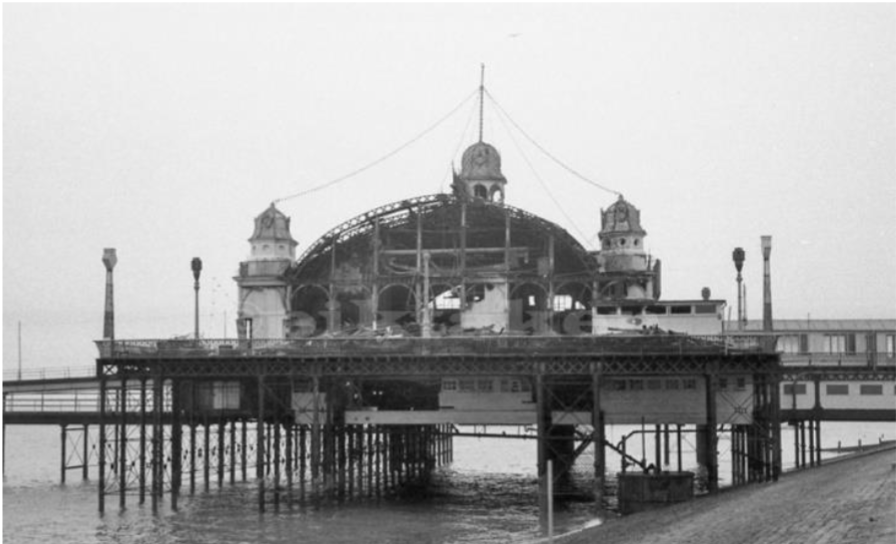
column 497, row 195
column 479, row 191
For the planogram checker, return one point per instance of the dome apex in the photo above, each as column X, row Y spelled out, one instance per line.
column 621, row 217
column 481, row 162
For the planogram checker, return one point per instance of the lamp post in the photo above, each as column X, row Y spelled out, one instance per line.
column 196, row 265
column 110, row 259
column 739, row 255
column 766, row 284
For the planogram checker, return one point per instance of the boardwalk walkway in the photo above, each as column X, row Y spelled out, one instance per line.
column 845, row 502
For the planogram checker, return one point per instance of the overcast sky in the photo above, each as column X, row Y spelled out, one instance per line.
column 162, row 131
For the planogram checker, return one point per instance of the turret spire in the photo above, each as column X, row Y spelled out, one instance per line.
column 481, row 97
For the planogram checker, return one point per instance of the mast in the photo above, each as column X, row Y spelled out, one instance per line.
column 481, row 97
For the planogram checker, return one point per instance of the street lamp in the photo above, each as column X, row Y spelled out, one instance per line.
column 766, row 284
column 739, row 255
column 196, row 265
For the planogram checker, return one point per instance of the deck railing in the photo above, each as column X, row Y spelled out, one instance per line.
column 49, row 373
column 473, row 345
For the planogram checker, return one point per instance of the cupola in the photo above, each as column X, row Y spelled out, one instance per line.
column 271, row 239
column 620, row 227
column 480, row 173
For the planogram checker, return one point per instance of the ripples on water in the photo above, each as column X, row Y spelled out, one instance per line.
column 488, row 495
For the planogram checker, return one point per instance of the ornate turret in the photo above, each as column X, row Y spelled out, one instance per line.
column 620, row 228
column 480, row 173
column 622, row 258
column 262, row 287
column 271, row 239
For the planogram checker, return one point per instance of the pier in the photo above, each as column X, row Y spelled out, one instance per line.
column 339, row 419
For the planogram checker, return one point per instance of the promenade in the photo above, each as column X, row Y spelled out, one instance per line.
column 848, row 501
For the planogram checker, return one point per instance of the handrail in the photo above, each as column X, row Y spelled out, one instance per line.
column 489, row 344
column 49, row 373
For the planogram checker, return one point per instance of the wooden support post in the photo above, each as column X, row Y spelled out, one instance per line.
column 303, row 456
column 378, row 460
column 85, row 452
column 206, row 453
column 142, row 440
column 666, row 448
column 543, row 423
column 176, row 442
column 315, row 439
column 192, row 457
column 63, row 439
column 123, row 443
column 597, row 436
column 158, row 471
column 811, row 423
column 678, row 446
column 233, row 446
column 712, row 466
column 277, row 461
column 289, row 462
column 259, row 450
column 658, row 447
column 817, row 442
column 802, row 443
column 775, row 380
column 101, row 487
column 368, row 431
column 222, row 432
column 244, row 449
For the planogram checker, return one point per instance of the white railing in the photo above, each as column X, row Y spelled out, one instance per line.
column 50, row 373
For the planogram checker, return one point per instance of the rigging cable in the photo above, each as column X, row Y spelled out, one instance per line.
column 548, row 153
column 541, row 181
column 381, row 159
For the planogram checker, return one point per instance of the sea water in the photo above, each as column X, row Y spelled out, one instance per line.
column 488, row 494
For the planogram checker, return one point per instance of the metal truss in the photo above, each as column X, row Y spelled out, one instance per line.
column 386, row 366
column 838, row 374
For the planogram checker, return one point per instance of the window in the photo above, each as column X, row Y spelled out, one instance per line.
column 449, row 385
column 562, row 303
column 789, row 343
column 689, row 383
column 485, row 386
column 658, row 310
column 680, row 310
column 479, row 191
column 618, row 385
column 837, row 389
column 467, row 386
column 741, row 384
column 891, row 345
column 840, row 343
column 871, row 389
column 672, row 384
column 606, row 310
column 804, row 343
column 794, row 389
column 723, row 383
column 705, row 309
column 654, row 385
column 505, row 386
